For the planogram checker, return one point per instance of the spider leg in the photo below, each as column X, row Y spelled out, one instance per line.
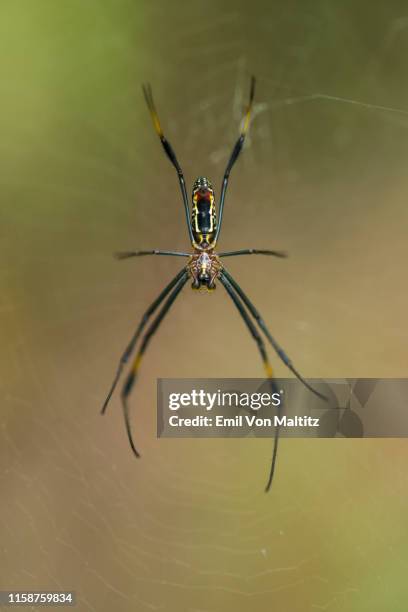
column 234, row 155
column 131, row 379
column 127, row 254
column 135, row 337
column 268, row 368
column 279, row 350
column 253, row 252
column 147, row 91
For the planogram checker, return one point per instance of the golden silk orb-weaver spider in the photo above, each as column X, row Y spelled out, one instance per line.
column 203, row 267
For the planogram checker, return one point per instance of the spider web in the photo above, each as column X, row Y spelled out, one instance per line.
column 322, row 175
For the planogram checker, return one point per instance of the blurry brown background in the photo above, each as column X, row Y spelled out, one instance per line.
column 188, row 527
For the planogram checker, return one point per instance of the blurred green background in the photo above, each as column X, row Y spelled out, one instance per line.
column 188, row 527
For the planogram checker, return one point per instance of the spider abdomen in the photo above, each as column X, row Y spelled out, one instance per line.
column 204, row 222
column 203, row 215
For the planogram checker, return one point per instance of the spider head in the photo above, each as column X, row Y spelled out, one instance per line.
column 203, row 215
column 204, row 270
column 203, row 283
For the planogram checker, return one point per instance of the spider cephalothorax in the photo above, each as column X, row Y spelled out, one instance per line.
column 203, row 267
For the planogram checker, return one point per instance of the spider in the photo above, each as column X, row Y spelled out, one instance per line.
column 203, row 267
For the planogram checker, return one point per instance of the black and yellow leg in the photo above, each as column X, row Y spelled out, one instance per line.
column 268, row 368
column 130, row 347
column 279, row 350
column 234, row 155
column 249, row 107
column 132, row 376
column 147, row 90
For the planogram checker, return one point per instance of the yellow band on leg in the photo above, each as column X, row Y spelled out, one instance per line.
column 137, row 363
column 156, row 124
column 268, row 369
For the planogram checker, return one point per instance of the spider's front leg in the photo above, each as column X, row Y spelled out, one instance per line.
column 177, row 286
column 130, row 347
column 278, row 349
column 268, row 368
